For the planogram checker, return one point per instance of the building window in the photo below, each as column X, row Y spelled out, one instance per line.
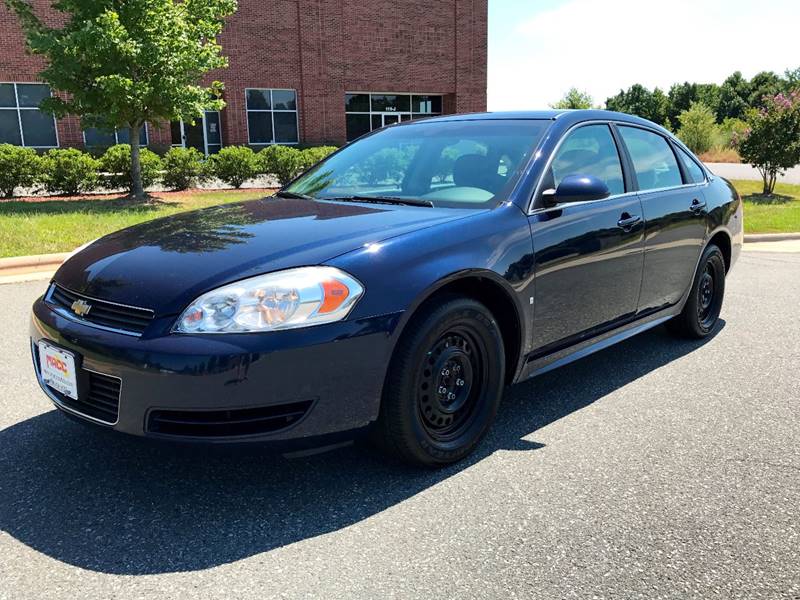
column 102, row 138
column 366, row 111
column 21, row 121
column 271, row 116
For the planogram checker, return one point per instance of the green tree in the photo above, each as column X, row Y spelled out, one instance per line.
column 734, row 97
column 680, row 96
column 762, row 86
column 772, row 143
column 573, row 99
column 638, row 100
column 121, row 64
column 697, row 127
column 708, row 94
column 792, row 78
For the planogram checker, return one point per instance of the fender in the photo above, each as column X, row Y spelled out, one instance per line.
column 522, row 319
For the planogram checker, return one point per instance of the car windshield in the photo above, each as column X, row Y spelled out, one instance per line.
column 459, row 164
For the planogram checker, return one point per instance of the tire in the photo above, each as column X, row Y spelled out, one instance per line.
column 444, row 384
column 701, row 311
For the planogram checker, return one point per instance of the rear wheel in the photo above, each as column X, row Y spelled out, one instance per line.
column 701, row 312
column 444, row 384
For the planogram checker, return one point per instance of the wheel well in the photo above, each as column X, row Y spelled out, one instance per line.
column 723, row 242
column 499, row 303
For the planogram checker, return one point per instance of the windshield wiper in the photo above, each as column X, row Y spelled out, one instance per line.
column 292, row 195
column 383, row 200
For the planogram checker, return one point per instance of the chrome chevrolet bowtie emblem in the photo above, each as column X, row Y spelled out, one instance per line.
column 81, row 307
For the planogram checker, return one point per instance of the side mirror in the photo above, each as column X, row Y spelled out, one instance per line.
column 576, row 188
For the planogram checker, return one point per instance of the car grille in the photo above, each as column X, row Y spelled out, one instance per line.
column 226, row 423
column 125, row 319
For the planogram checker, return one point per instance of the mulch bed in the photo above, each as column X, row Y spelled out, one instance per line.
column 166, row 196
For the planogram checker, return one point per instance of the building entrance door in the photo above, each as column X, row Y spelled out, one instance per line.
column 204, row 136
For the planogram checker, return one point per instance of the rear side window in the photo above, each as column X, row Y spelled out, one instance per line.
column 590, row 150
column 653, row 160
column 696, row 174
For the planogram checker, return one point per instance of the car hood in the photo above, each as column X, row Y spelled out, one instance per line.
column 166, row 263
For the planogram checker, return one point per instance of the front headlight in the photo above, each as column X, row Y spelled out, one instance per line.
column 281, row 300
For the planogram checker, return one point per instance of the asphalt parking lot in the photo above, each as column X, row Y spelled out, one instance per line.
column 655, row 469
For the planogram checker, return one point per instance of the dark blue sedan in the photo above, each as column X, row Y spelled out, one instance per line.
column 395, row 288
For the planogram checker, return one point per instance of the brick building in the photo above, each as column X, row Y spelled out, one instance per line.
column 301, row 71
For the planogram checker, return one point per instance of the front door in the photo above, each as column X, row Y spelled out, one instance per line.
column 204, row 135
column 587, row 255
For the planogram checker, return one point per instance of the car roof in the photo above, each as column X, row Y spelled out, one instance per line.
column 573, row 116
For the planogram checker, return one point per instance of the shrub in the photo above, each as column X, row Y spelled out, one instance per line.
column 116, row 162
column 183, row 168
column 234, row 165
column 19, row 167
column 69, row 171
column 730, row 131
column 311, row 156
column 698, row 127
column 772, row 142
column 284, row 162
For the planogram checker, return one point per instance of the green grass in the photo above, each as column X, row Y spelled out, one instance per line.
column 779, row 213
column 63, row 225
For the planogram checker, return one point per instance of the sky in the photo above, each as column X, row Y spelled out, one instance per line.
column 538, row 49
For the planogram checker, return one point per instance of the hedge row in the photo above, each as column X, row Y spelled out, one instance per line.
column 71, row 171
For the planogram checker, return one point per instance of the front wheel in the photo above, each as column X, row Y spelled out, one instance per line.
column 701, row 312
column 444, row 384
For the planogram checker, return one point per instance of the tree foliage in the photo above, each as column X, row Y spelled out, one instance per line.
column 772, row 142
column 121, row 64
column 697, row 127
column 638, row 100
column 574, row 99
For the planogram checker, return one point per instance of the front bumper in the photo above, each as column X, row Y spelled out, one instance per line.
column 329, row 378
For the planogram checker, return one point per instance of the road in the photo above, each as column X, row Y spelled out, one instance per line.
column 743, row 171
column 656, row 469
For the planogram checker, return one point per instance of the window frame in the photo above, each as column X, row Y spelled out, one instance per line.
column 272, row 112
column 412, row 116
column 629, row 173
column 18, row 109
column 684, row 169
column 116, row 137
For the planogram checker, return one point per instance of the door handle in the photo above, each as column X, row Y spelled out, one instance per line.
column 626, row 221
column 697, row 207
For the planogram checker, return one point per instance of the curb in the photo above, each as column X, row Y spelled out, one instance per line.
column 36, row 262
column 770, row 237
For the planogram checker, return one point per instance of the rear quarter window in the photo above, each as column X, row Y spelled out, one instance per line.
column 696, row 174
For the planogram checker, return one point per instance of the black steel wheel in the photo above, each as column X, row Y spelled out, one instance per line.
column 444, row 383
column 704, row 304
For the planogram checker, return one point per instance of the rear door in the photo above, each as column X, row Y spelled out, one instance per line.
column 588, row 255
column 674, row 214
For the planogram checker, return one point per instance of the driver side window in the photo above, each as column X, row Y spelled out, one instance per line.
column 589, row 150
